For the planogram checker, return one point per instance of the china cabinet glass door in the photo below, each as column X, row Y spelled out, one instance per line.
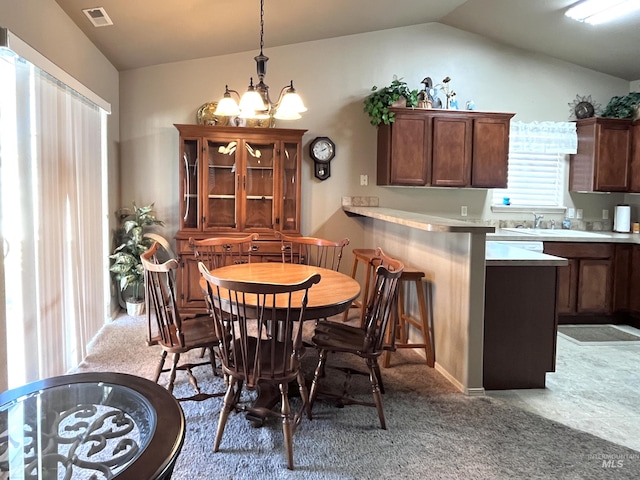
column 259, row 185
column 290, row 188
column 189, row 195
column 220, row 184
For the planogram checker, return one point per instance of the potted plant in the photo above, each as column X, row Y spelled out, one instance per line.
column 131, row 243
column 626, row 106
column 378, row 102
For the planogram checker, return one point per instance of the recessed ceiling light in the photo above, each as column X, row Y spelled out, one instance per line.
column 98, row 16
column 600, row 11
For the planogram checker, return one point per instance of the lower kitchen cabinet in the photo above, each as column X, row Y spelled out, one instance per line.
column 585, row 286
column 634, row 281
column 626, row 301
column 520, row 326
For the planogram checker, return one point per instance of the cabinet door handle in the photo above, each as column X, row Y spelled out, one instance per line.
column 244, row 182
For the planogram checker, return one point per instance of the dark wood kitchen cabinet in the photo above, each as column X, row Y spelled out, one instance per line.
column 603, row 160
column 585, row 285
column 634, row 180
column 444, row 148
column 235, row 181
column 408, row 142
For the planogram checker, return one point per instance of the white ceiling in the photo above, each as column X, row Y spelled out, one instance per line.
column 150, row 32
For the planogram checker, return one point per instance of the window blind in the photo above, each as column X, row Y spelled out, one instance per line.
column 535, row 174
column 534, row 180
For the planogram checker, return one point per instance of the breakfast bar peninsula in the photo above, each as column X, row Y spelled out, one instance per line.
column 454, row 256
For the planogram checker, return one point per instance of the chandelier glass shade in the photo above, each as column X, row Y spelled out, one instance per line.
column 255, row 102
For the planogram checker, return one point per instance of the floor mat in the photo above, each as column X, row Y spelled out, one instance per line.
column 597, row 333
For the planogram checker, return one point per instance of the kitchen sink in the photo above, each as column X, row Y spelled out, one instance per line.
column 551, row 232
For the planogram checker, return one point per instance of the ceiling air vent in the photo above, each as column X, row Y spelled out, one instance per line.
column 98, row 16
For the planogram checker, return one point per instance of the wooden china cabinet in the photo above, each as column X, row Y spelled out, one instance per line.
column 234, row 181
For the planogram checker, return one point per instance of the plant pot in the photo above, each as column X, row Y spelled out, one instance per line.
column 135, row 308
column 401, row 102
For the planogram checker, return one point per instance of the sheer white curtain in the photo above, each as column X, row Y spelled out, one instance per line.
column 543, row 137
column 52, row 220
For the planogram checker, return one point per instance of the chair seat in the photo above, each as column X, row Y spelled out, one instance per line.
column 201, row 333
column 338, row 337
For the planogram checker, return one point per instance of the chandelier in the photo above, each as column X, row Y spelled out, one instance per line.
column 255, row 102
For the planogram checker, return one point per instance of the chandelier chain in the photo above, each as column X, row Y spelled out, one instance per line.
column 261, row 25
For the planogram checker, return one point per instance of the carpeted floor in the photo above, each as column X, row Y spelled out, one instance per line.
column 597, row 333
column 433, row 431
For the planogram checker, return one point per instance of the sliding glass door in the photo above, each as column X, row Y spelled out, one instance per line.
column 52, row 221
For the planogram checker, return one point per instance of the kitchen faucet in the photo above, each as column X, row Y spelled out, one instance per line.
column 536, row 220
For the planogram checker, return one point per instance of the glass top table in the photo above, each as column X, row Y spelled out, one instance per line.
column 90, row 426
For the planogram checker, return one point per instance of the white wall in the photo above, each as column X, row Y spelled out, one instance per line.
column 334, row 76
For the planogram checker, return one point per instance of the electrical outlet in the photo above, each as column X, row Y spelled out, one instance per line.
column 571, row 212
column 463, row 211
column 579, row 214
column 364, row 180
column 605, row 214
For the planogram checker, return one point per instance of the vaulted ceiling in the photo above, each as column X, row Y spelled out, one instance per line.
column 150, row 32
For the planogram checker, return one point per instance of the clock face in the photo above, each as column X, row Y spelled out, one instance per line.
column 322, row 149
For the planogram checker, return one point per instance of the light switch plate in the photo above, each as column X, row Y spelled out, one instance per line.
column 579, row 214
column 571, row 212
column 605, row 214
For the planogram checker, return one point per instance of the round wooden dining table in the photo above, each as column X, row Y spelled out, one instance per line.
column 331, row 296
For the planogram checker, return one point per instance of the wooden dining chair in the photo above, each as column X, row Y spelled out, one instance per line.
column 174, row 335
column 367, row 341
column 312, row 251
column 260, row 325
column 217, row 252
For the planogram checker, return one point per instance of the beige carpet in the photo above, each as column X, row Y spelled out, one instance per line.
column 433, row 431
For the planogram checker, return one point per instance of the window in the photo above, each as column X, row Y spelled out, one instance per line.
column 535, row 173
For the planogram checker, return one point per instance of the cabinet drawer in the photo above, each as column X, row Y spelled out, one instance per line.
column 579, row 250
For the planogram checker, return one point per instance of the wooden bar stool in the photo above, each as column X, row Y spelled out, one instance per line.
column 362, row 255
column 403, row 320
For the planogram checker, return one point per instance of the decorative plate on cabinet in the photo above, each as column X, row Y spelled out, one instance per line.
column 205, row 115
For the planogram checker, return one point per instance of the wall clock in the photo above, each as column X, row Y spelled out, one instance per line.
column 322, row 150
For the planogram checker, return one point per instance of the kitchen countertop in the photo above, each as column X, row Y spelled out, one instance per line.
column 420, row 221
column 497, row 253
column 502, row 254
column 560, row 235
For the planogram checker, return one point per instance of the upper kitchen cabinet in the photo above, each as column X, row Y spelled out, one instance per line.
column 634, row 181
column 237, row 179
column 603, row 160
column 404, row 150
column 444, row 148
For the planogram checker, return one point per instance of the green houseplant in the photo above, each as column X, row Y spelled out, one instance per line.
column 130, row 243
column 378, row 102
column 623, row 107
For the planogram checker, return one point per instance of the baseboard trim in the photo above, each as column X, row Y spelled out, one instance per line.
column 472, row 392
